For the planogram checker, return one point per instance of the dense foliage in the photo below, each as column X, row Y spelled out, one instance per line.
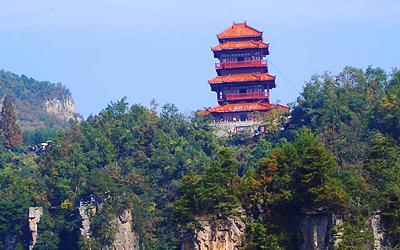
column 129, row 156
column 9, row 129
column 338, row 154
column 28, row 97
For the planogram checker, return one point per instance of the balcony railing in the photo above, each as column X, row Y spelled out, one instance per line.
column 244, row 96
column 241, row 64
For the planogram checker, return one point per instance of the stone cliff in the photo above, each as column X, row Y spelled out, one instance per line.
column 38, row 104
column 63, row 108
column 216, row 235
column 315, row 231
column 377, row 227
column 34, row 215
column 125, row 237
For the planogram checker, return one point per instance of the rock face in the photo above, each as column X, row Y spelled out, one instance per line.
column 34, row 215
column 377, row 228
column 216, row 235
column 314, row 230
column 62, row 108
column 125, row 238
column 85, row 213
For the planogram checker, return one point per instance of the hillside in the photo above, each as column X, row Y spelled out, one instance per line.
column 38, row 104
column 166, row 178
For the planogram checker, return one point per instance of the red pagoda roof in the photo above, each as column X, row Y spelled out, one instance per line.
column 242, row 78
column 242, row 107
column 240, row 45
column 239, row 30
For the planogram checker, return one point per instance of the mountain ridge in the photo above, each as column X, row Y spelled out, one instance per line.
column 38, row 104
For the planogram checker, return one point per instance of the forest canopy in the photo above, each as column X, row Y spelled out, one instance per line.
column 339, row 153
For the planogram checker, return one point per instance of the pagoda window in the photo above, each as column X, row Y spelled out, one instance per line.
column 258, row 88
column 226, row 90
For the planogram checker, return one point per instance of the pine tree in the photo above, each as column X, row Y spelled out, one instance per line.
column 9, row 129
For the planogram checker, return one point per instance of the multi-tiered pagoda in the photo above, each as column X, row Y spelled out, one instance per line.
column 243, row 82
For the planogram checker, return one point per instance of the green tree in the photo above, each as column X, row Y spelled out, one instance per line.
column 383, row 176
column 9, row 128
column 301, row 174
column 213, row 191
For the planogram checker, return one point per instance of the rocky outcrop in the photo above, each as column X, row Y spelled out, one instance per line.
column 377, row 227
column 62, row 108
column 125, row 237
column 216, row 235
column 314, row 229
column 34, row 215
column 85, row 213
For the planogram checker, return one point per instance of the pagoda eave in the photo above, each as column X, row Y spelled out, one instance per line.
column 242, row 107
column 240, row 46
column 242, row 78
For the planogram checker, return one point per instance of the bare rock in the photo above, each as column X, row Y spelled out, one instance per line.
column 63, row 109
column 216, row 235
column 34, row 214
column 125, row 238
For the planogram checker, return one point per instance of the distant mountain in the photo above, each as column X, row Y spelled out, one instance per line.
column 38, row 104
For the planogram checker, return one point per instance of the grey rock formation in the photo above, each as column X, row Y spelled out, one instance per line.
column 125, row 237
column 314, row 230
column 62, row 108
column 377, row 228
column 34, row 214
column 85, row 213
column 216, row 235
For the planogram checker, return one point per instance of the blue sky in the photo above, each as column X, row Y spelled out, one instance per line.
column 103, row 50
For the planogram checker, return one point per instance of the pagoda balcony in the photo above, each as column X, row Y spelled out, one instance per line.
column 241, row 64
column 244, row 96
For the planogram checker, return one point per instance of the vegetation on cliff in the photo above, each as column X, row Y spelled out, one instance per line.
column 338, row 154
column 29, row 97
column 129, row 157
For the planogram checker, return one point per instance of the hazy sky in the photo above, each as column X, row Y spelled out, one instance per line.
column 103, row 50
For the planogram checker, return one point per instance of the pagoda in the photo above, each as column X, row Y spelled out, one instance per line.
column 242, row 83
